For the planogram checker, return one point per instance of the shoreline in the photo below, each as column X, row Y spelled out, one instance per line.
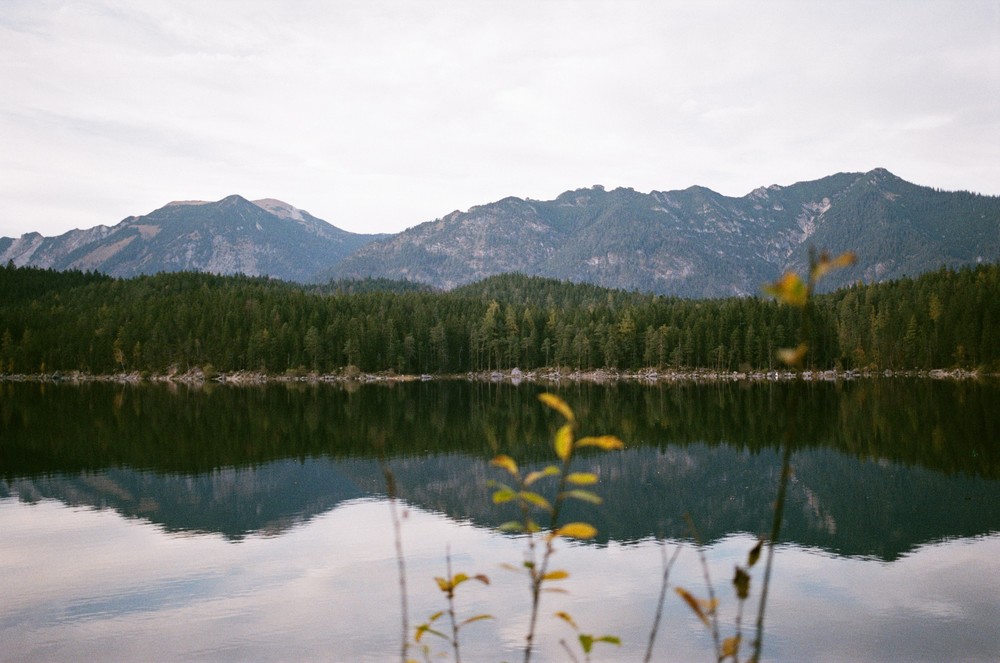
column 514, row 376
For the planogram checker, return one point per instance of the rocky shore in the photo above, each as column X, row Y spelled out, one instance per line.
column 515, row 376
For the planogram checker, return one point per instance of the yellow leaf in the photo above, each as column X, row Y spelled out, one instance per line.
column 789, row 289
column 825, row 264
column 582, row 478
column 556, row 575
column 584, row 495
column 793, row 356
column 506, row 462
column 559, row 405
column 538, row 474
column 845, row 259
column 536, row 499
column 577, row 531
column 605, row 442
column 701, row 607
column 566, row 618
column 564, row 442
column 731, row 646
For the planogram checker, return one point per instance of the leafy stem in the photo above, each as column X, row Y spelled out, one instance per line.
column 570, row 485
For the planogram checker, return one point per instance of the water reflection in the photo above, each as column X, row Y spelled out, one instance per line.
column 880, row 468
column 123, row 504
column 85, row 584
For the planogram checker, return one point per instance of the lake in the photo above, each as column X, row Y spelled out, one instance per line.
column 163, row 522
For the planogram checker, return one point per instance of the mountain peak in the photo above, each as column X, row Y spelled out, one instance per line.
column 878, row 176
column 228, row 236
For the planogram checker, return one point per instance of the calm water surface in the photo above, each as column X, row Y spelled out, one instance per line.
column 149, row 523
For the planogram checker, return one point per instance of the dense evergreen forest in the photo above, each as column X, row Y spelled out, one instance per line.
column 62, row 321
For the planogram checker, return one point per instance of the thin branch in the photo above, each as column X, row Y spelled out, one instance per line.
column 779, row 510
column 397, row 530
column 708, row 583
column 664, row 582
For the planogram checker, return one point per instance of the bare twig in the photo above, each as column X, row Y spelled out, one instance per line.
column 664, row 582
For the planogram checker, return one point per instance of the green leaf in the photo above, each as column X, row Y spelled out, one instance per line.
column 538, row 474
column 584, row 495
column 512, row 526
column 564, row 442
column 536, row 499
column 587, row 641
column 444, row 585
column 582, row 478
column 605, row 442
column 477, row 618
column 426, row 628
column 577, row 531
column 505, row 494
column 559, row 405
column 506, row 462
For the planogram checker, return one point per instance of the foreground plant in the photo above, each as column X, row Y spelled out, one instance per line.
column 793, row 290
column 585, row 640
column 448, row 585
column 541, row 542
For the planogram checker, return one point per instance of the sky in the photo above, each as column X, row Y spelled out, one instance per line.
column 377, row 116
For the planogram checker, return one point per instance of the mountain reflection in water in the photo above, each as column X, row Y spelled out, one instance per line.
column 888, row 470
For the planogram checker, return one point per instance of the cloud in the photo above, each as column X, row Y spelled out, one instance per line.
column 377, row 116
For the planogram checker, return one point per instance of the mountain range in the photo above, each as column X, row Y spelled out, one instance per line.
column 692, row 243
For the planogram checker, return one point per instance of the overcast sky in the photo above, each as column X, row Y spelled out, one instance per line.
column 377, row 116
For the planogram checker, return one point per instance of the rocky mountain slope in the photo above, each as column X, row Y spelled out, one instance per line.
column 691, row 243
column 233, row 235
column 695, row 242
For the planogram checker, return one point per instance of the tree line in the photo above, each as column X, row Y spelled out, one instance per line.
column 61, row 321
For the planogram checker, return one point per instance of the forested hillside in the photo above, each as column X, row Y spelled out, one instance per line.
column 65, row 321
